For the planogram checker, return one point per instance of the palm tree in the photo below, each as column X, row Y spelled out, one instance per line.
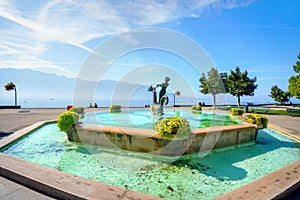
column 177, row 93
column 12, row 86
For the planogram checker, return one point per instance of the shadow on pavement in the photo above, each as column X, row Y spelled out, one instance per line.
column 4, row 134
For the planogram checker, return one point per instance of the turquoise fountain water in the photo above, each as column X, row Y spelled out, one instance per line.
column 144, row 119
column 196, row 176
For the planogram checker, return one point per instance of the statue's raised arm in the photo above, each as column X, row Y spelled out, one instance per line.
column 163, row 90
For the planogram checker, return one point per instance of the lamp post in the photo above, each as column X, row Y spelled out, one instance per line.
column 12, row 86
column 177, row 93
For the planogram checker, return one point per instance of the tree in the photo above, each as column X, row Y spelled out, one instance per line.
column 279, row 95
column 296, row 67
column 294, row 81
column 239, row 84
column 11, row 86
column 212, row 84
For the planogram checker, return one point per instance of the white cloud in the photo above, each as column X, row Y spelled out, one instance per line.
column 77, row 22
column 19, row 60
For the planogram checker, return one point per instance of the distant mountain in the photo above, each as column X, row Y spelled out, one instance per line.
column 34, row 86
column 38, row 89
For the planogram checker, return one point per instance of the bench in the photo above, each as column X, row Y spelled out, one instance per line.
column 292, row 110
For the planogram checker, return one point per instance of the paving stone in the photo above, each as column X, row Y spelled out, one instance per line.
column 11, row 190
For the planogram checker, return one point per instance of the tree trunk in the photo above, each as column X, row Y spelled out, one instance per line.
column 214, row 100
column 16, row 103
column 239, row 100
column 174, row 100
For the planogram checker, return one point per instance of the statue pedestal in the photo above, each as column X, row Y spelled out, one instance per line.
column 157, row 109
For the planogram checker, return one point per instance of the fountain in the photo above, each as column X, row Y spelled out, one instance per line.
column 194, row 176
column 149, row 132
column 157, row 107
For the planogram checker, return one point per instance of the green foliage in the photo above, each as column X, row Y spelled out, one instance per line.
column 257, row 119
column 296, row 67
column 294, row 81
column 196, row 109
column 279, row 95
column 239, row 84
column 237, row 111
column 171, row 126
column 115, row 108
column 212, row 84
column 77, row 109
column 275, row 112
column 227, row 108
column 66, row 120
column 294, row 86
column 263, row 111
column 203, row 84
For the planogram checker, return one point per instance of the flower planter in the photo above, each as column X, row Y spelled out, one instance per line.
column 259, row 126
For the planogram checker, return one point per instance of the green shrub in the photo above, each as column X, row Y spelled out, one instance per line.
column 66, row 120
column 115, row 108
column 77, row 109
column 171, row 126
column 257, row 119
column 237, row 111
column 227, row 108
column 196, row 108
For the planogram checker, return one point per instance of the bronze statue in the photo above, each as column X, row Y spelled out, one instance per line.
column 162, row 98
column 162, row 92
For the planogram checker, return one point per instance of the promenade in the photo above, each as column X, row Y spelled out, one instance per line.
column 12, row 120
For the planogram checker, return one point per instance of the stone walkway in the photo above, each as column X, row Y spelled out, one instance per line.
column 292, row 124
column 13, row 120
column 11, row 190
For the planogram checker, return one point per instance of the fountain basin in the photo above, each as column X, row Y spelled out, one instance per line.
column 147, row 140
column 241, row 166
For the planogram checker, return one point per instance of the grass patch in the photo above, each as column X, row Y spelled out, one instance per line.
column 273, row 112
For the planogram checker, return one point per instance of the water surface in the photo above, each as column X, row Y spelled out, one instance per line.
column 197, row 176
column 144, row 119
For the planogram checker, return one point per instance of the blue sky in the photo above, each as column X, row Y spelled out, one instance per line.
column 57, row 36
